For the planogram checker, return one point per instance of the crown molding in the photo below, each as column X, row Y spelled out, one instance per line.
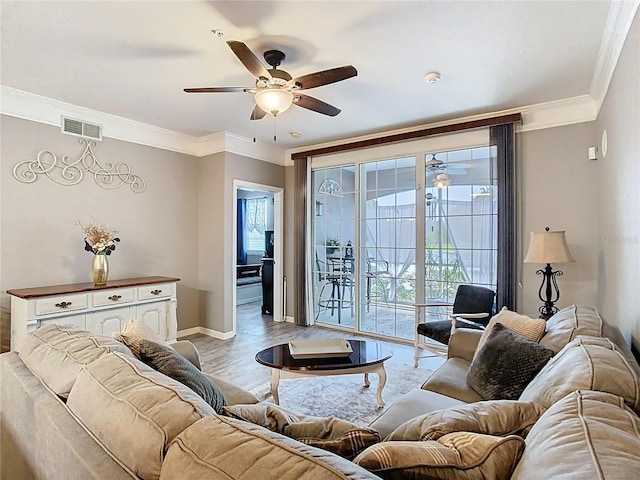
column 36, row 108
column 534, row 117
column 616, row 28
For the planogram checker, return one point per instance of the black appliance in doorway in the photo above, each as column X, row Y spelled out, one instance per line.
column 267, row 274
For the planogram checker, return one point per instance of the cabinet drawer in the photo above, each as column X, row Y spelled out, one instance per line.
column 46, row 306
column 113, row 297
column 162, row 290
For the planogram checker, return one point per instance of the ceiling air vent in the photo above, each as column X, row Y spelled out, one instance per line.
column 81, row 129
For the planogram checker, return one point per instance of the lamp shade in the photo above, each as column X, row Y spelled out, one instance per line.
column 548, row 247
column 442, row 180
column 273, row 100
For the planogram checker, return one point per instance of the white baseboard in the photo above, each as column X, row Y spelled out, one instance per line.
column 206, row 331
column 289, row 319
column 242, row 301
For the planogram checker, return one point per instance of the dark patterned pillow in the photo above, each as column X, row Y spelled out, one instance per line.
column 505, row 364
column 169, row 362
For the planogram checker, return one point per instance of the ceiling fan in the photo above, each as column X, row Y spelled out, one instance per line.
column 437, row 166
column 275, row 90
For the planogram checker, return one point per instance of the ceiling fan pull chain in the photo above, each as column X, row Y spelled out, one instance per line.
column 275, row 119
column 254, row 130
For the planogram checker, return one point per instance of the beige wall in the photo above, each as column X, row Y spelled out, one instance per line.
column 557, row 190
column 617, row 189
column 217, row 257
column 40, row 244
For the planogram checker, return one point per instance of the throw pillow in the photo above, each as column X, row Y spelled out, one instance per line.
column 505, row 364
column 169, row 362
column 329, row 433
column 456, row 455
column 531, row 328
column 133, row 332
column 492, row 417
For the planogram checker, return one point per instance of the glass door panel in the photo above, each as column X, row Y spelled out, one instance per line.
column 334, row 234
column 387, row 243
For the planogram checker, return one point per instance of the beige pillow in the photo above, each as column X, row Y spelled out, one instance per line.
column 460, row 455
column 492, row 417
column 530, row 328
column 586, row 363
column 134, row 411
column 226, row 448
column 56, row 354
column 586, row 435
column 329, row 433
column 135, row 331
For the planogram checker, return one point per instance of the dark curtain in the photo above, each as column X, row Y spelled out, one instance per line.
column 300, row 234
column 241, row 231
column 502, row 137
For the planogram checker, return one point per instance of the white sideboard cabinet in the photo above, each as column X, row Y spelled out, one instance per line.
column 100, row 309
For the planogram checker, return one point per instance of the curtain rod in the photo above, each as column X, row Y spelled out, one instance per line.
column 401, row 137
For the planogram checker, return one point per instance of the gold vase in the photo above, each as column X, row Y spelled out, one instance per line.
column 100, row 269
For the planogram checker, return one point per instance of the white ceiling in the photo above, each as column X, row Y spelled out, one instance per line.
column 133, row 58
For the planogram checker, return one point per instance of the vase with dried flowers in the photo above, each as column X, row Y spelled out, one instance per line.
column 100, row 241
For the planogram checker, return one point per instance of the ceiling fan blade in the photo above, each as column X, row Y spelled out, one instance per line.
column 310, row 103
column 248, row 59
column 257, row 113
column 215, row 89
column 325, row 77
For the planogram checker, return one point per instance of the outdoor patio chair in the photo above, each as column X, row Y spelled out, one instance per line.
column 473, row 307
column 337, row 272
column 377, row 271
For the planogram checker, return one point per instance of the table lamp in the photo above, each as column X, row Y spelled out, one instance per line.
column 548, row 247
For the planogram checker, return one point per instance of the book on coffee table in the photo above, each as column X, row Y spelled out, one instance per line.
column 322, row 348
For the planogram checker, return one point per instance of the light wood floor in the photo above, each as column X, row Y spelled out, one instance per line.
column 233, row 360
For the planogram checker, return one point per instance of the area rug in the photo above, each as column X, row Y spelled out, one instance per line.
column 345, row 396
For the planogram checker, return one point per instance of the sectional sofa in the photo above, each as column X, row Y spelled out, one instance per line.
column 76, row 405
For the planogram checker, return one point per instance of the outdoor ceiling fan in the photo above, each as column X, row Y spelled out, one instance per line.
column 437, row 166
column 275, row 90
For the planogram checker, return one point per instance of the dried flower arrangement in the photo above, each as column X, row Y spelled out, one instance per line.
column 99, row 240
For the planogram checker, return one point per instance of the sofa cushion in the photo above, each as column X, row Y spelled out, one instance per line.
column 233, row 395
column 450, row 379
column 133, row 332
column 133, row 410
column 329, row 433
column 505, row 364
column 460, row 455
column 225, row 448
column 570, row 322
column 493, row 417
column 586, row 363
column 586, row 434
column 172, row 364
column 56, row 354
column 531, row 328
column 414, row 403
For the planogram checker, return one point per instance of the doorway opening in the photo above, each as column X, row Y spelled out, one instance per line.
column 257, row 240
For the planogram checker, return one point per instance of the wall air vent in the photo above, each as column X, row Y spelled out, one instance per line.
column 79, row 128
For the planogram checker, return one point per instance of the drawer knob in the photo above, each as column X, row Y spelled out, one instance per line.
column 156, row 292
column 115, row 298
column 63, row 304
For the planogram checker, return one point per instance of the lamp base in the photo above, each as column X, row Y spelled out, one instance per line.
column 552, row 293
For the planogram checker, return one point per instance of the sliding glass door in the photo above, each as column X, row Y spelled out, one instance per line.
column 398, row 231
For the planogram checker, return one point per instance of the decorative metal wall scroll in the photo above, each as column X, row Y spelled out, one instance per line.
column 69, row 172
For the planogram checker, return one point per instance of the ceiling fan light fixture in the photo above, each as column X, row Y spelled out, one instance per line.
column 432, row 77
column 273, row 100
column 442, row 180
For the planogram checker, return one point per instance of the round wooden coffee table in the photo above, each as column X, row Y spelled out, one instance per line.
column 367, row 357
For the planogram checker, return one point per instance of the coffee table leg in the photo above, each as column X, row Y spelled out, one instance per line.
column 382, row 379
column 366, row 380
column 275, row 381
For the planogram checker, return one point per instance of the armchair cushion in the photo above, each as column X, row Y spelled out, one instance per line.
column 505, row 364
